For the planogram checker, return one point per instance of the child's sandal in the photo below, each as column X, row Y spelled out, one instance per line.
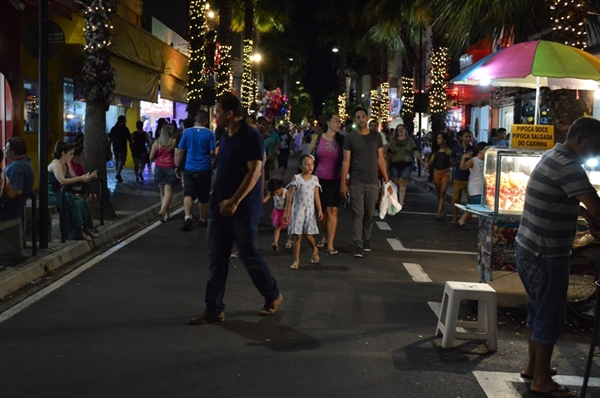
column 294, row 265
column 288, row 244
column 315, row 258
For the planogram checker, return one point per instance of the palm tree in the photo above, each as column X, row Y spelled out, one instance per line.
column 224, row 78
column 98, row 85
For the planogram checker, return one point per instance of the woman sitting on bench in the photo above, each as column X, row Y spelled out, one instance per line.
column 78, row 221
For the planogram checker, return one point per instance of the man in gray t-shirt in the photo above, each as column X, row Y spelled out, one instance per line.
column 363, row 156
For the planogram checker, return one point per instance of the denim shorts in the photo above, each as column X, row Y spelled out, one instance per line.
column 165, row 176
column 546, row 281
column 401, row 170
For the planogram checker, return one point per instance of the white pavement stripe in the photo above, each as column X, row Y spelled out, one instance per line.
column 383, row 225
column 500, row 384
column 398, row 246
column 418, row 213
column 417, row 273
column 67, row 278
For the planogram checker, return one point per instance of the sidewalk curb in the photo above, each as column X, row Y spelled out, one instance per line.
column 18, row 277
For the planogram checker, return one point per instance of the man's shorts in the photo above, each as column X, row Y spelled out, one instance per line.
column 120, row 157
column 546, row 281
column 475, row 200
column 458, row 188
column 196, row 184
column 440, row 176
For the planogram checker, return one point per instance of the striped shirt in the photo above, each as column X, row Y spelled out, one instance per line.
column 549, row 220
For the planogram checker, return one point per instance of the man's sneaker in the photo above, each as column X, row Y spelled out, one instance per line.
column 271, row 308
column 119, row 178
column 235, row 254
column 187, row 224
column 141, row 177
column 366, row 246
column 358, row 252
column 205, row 318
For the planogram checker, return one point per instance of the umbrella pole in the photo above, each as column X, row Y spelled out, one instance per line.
column 537, row 99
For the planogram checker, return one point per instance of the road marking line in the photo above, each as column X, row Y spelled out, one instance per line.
column 417, row 273
column 67, row 278
column 500, row 384
column 418, row 213
column 383, row 225
column 398, row 246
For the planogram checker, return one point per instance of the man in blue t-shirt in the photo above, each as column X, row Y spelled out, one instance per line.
column 235, row 209
column 20, row 174
column 197, row 147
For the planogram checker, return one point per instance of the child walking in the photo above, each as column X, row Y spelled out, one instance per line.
column 278, row 192
column 474, row 162
column 303, row 196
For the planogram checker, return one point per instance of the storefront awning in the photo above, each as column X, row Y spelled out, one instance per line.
column 135, row 81
column 172, row 88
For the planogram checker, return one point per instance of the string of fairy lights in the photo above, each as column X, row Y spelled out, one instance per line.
column 248, row 95
column 97, row 74
column 375, row 106
column 408, row 96
column 568, row 18
column 198, row 28
column 438, row 95
column 384, row 107
column 342, row 106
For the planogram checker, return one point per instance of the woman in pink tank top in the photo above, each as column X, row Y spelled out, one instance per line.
column 163, row 154
column 326, row 148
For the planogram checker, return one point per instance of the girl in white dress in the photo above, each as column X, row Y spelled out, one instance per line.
column 300, row 210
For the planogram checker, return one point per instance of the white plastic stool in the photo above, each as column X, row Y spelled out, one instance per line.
column 484, row 328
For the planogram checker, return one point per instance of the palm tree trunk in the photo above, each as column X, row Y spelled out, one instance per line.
column 224, row 77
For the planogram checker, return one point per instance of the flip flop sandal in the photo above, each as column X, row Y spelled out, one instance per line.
column 294, row 265
column 562, row 391
column 332, row 252
column 314, row 258
column 553, row 372
column 288, row 245
column 274, row 247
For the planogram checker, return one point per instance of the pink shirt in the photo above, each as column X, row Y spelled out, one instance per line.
column 165, row 157
column 328, row 152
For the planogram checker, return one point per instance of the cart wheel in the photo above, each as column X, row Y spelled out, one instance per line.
column 581, row 294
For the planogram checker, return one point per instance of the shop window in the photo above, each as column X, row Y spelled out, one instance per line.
column 31, row 106
column 73, row 111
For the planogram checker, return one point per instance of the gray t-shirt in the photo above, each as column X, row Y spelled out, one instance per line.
column 363, row 159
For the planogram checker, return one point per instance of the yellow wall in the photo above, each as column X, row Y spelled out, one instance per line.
column 132, row 115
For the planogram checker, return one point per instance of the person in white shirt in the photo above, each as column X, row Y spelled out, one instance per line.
column 474, row 163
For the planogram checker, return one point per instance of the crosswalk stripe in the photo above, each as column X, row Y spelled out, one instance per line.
column 398, row 246
column 383, row 225
column 417, row 273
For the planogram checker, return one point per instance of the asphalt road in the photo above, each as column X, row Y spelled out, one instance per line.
column 346, row 328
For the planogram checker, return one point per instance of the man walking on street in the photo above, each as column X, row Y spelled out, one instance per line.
column 363, row 156
column 119, row 137
column 235, row 211
column 197, row 147
column 556, row 187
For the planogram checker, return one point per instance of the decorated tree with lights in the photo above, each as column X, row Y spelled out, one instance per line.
column 568, row 18
column 224, row 73
column 98, row 84
column 438, row 98
column 197, row 76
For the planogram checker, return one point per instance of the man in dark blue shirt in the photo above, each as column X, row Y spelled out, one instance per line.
column 20, row 174
column 235, row 209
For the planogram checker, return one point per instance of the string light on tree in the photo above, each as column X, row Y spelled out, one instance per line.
column 568, row 18
column 97, row 73
column 438, row 97
column 408, row 96
column 247, row 75
column 225, row 80
column 342, row 106
column 385, row 101
column 197, row 40
column 375, row 109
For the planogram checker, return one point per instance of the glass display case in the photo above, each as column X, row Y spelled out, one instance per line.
column 505, row 176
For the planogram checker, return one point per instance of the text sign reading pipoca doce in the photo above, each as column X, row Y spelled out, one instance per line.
column 532, row 136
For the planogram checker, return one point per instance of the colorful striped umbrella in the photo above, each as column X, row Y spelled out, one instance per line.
column 535, row 64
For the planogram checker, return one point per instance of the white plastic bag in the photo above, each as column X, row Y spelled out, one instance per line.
column 389, row 202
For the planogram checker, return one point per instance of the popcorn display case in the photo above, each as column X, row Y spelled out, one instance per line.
column 505, row 176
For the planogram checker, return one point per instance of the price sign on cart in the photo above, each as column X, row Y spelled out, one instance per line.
column 532, row 136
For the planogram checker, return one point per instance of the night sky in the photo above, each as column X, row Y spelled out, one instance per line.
column 319, row 80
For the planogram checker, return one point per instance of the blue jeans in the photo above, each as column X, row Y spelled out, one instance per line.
column 222, row 232
column 546, row 281
column 363, row 198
